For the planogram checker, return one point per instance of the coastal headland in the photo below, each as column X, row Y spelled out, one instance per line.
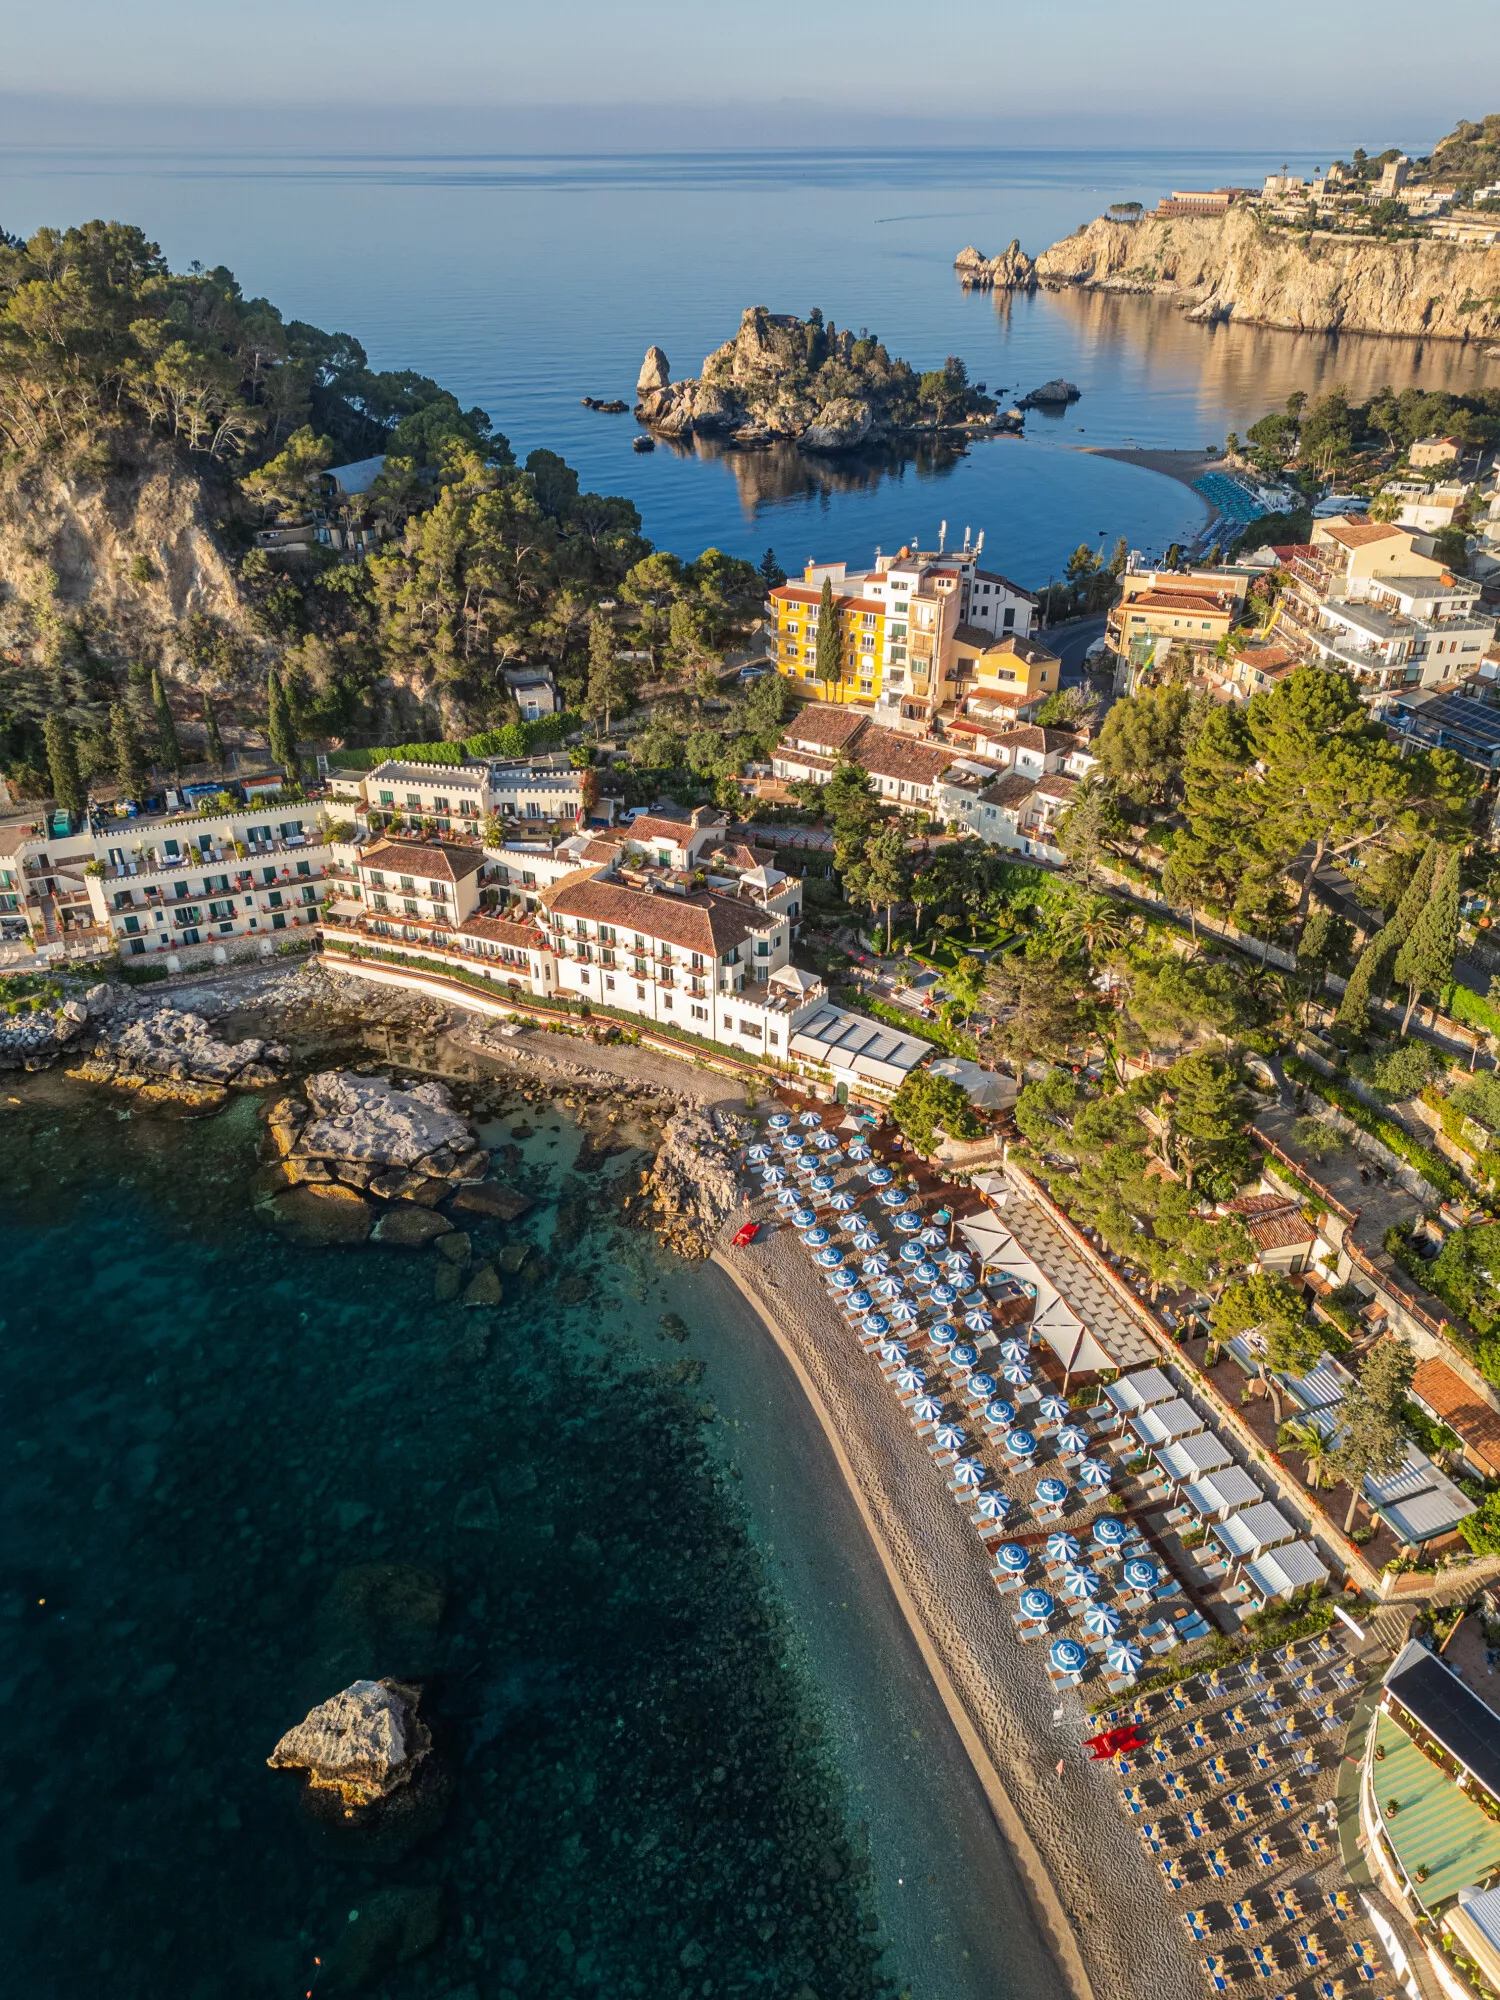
column 1236, row 267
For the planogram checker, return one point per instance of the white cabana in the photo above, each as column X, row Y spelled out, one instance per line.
column 985, row 1088
column 1281, row 1571
column 1191, row 1458
column 1165, row 1423
column 988, row 1237
column 1223, row 1492
column 1133, row 1393
column 1248, row 1534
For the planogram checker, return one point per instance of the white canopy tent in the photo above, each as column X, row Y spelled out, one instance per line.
column 1052, row 1318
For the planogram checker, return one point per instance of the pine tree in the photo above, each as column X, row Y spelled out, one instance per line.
column 772, row 575
column 130, row 763
column 609, row 682
column 214, row 745
column 168, row 749
column 62, row 762
column 1354, row 1008
column 1426, row 958
column 828, row 659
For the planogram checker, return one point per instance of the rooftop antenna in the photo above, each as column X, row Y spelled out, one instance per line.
column 942, row 537
column 979, row 545
column 966, row 538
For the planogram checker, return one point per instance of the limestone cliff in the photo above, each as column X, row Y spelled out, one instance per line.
column 1234, row 267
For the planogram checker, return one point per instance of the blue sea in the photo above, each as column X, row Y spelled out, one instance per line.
column 525, row 283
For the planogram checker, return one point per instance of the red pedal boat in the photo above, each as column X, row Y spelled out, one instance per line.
column 747, row 1234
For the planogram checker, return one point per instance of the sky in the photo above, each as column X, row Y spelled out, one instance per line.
column 576, row 74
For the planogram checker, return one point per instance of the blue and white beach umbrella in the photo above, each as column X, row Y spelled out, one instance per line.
column 865, row 1238
column 1068, row 1656
column 875, row 1324
column 980, row 1384
column 1013, row 1558
column 1016, row 1373
column 912, row 1253
column 1103, row 1620
column 852, row 1225
column 927, row 1409
column 894, row 1352
column 757, row 1155
column 779, row 1121
column 977, row 1322
column 1122, row 1657
column 775, row 1176
column 805, row 1217
column 1081, row 1582
column 965, row 1354
column 958, row 1260
column 808, row 1164
column 1070, row 1438
column 943, row 1295
column 859, row 1301
column 1051, row 1492
column 892, row 1286
column 1109, row 1531
column 1061, row 1547
column 874, row 1265
column 793, row 1141
column 1052, row 1410
column 926, row 1271
column 826, row 1143
column 908, row 1223
column 1035, row 1603
column 842, row 1281
column 932, row 1235
column 992, row 1506
column 829, row 1259
column 1140, row 1574
column 859, row 1152
column 1021, row 1444
column 905, row 1312
column 809, row 1119
column 891, row 1197
column 1001, row 1415
column 942, row 1333
column 815, row 1238
column 880, row 1176
column 950, row 1437
column 1092, row 1472
column 842, row 1203
column 823, row 1183
column 910, row 1380
column 1014, row 1350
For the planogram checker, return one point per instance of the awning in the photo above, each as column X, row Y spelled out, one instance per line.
column 1291, row 1567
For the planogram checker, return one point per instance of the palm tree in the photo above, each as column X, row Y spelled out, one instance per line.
column 1301, row 1434
column 1097, row 923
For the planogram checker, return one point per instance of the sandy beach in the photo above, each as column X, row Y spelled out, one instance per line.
column 1185, row 466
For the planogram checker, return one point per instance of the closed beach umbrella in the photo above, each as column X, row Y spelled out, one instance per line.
column 1061, row 1547
column 1071, row 1438
column 825, row 1142
column 1036, row 1603
column 1109, row 1531
column 904, row 1311
column 942, row 1333
column 757, row 1155
column 814, row 1238
column 859, row 1301
column 823, row 1183
column 778, row 1121
column 910, row 1380
column 943, row 1295
column 912, row 1253
column 1051, row 1492
column 893, row 1352
column 1140, row 1574
column 829, row 1259
column 876, row 1324
column 1102, row 1620
column 1052, row 1409
column 1016, row 1373
column 1122, row 1657
column 1068, row 1656
column 805, row 1218
column 1092, row 1472
column 992, row 1506
column 927, row 1271
column 1020, row 1444
column 928, row 1408
column 933, row 1235
column 977, row 1322
column 842, row 1281
column 908, row 1223
column 1013, row 1558
column 866, row 1239
column 950, row 1437
column 775, row 1176
column 1080, row 1582
column 982, row 1385
column 965, row 1353
column 1001, row 1415
column 879, row 1176
column 810, row 1118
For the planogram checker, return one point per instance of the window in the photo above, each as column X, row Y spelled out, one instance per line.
column 774, row 1039
column 122, row 899
column 414, row 802
column 439, row 805
column 269, row 875
column 132, row 926
column 750, row 1028
column 410, row 905
column 304, row 868
column 666, row 1003
column 699, row 1013
column 609, row 984
column 387, row 798
column 377, row 880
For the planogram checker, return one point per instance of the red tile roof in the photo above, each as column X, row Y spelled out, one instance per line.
column 437, row 860
column 704, row 923
column 1453, row 1403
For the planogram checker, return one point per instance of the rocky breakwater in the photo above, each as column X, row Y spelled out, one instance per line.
column 693, row 1186
column 168, row 1055
column 1011, row 271
column 359, row 1158
column 821, row 387
column 1235, row 266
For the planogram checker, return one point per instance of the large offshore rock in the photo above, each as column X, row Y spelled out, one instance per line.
column 656, row 372
column 368, row 1118
column 1011, row 271
column 363, row 1743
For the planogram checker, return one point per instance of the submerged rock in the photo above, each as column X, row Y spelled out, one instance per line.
column 319, row 1214
column 363, row 1743
column 410, row 1228
column 492, row 1198
column 391, row 1927
column 483, row 1289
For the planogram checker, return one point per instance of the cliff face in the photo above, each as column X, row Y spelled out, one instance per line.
column 1221, row 268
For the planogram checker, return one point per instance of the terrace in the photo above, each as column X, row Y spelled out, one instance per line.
column 1441, row 1840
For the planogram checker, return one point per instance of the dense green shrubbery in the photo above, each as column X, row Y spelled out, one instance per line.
column 515, row 739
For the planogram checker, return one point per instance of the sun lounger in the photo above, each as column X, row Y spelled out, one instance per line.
column 1261, row 1757
column 1180, row 1699
column 1339, row 1904
column 1133, row 1799
column 1197, row 1922
column 1311, row 1839
column 1218, row 1863
column 1173, row 1782
column 1175, row 1873
column 1215, row 1973
column 1244, row 1915
column 1263, row 1961
column 1151, row 1835
column 1240, row 1806
column 1263, row 1851
column 1288, row 1908
column 1309, row 1950
column 1193, row 1826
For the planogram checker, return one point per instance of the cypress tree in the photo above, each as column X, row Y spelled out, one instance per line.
column 1418, row 890
column 130, row 764
column 1426, row 958
column 1354, row 1008
column 279, row 727
column 168, row 748
column 828, row 659
column 62, row 762
column 214, row 745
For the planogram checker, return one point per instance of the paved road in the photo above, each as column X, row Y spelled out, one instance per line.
column 1070, row 642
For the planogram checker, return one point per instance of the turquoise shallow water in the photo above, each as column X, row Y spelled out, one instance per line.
column 236, row 1475
column 686, row 1745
